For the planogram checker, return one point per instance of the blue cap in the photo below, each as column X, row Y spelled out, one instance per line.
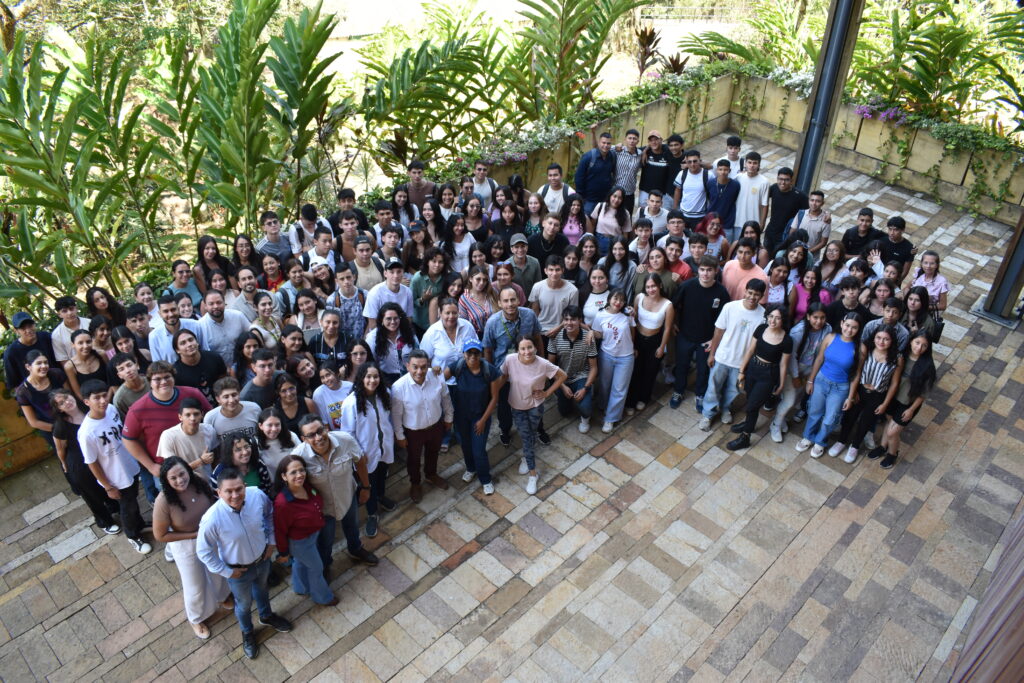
column 472, row 345
column 20, row 318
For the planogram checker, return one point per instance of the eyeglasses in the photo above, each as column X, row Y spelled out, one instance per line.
column 321, row 430
column 160, row 379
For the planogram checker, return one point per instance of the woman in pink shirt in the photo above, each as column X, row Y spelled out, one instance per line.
column 805, row 292
column 929, row 278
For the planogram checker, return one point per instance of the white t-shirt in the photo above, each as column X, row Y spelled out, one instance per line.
column 244, row 422
column 100, row 442
column 552, row 302
column 328, row 404
column 753, row 195
column 739, row 325
column 381, row 294
column 736, row 167
column 594, row 304
column 617, row 340
column 175, row 441
column 658, row 222
column 694, row 197
column 555, row 199
column 484, row 190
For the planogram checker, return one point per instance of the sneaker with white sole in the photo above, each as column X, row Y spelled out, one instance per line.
column 640, row 405
column 869, row 440
column 112, row 530
column 523, row 467
column 140, row 546
column 726, row 417
column 608, row 427
column 675, row 401
column 776, row 434
column 630, row 412
column 584, row 425
column 468, row 476
column 705, row 424
column 531, row 485
column 803, row 445
column 851, row 455
column 488, row 489
column 668, row 376
column 817, row 451
column 836, row 449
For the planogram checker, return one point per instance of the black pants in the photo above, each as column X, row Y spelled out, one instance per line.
column 759, row 381
column 378, row 481
column 860, row 418
column 645, row 369
column 629, row 202
column 102, row 506
column 128, row 504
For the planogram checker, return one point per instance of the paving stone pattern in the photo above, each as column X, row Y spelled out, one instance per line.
column 653, row 554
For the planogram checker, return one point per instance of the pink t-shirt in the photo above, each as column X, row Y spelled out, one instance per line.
column 524, row 379
column 735, row 278
column 802, row 299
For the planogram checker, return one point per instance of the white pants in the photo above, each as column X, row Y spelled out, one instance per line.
column 201, row 589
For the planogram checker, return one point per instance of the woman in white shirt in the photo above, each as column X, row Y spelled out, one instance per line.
column 443, row 342
column 615, row 328
column 392, row 340
column 273, row 440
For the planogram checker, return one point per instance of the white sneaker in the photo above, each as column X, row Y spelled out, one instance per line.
column 630, row 412
column 851, row 455
column 488, row 489
column 141, row 546
column 705, row 424
column 608, row 427
column 584, row 425
column 836, row 449
column 112, row 529
column 167, row 554
column 817, row 451
column 869, row 440
column 531, row 485
column 726, row 417
column 640, row 405
column 468, row 476
column 523, row 467
column 804, row 445
column 776, row 434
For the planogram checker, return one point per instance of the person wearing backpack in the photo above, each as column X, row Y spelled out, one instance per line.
column 691, row 193
column 555, row 193
column 595, row 174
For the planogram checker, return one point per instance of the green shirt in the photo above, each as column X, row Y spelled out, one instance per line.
column 421, row 311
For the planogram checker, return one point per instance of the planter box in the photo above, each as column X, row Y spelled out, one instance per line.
column 847, row 129
column 875, row 140
column 1005, row 172
column 720, row 98
column 20, row 446
column 927, row 152
column 748, row 88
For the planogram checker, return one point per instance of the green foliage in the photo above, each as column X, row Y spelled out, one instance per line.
column 647, row 40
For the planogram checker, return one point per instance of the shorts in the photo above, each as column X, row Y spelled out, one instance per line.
column 896, row 410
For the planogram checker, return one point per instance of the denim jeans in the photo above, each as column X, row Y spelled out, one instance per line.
column 722, row 389
column 528, row 422
column 731, row 234
column 616, row 372
column 566, row 404
column 589, row 206
column 308, row 570
column 687, row 351
column 604, row 243
column 247, row 588
column 349, row 527
column 474, row 446
column 150, row 484
column 378, row 482
column 825, row 409
column 504, row 410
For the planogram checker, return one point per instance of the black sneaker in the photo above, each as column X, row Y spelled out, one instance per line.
column 277, row 622
column 876, row 452
column 273, row 580
column 738, row 428
column 505, row 439
column 249, row 645
column 365, row 556
column 387, row 504
column 888, row 461
column 371, row 525
column 800, row 415
column 543, row 437
column 739, row 443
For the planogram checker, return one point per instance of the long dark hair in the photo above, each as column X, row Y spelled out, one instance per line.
column 383, row 393
column 285, row 437
column 194, row 481
column 923, row 313
column 893, row 353
column 256, row 259
column 813, row 307
column 813, row 295
column 241, row 362
column 405, row 332
column 92, row 349
column 346, row 365
column 922, row 375
column 282, row 467
column 567, row 206
column 621, row 214
column 219, row 258
column 853, row 315
column 115, row 310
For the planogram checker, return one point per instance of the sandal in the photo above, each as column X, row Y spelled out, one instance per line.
column 202, row 630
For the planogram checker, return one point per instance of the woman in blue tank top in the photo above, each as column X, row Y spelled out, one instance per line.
column 832, row 384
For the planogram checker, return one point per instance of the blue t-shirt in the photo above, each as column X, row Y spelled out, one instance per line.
column 500, row 334
column 473, row 391
column 838, row 360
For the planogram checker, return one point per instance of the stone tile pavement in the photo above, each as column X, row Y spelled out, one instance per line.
column 654, row 554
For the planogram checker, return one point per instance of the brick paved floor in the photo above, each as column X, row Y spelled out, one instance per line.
column 651, row 555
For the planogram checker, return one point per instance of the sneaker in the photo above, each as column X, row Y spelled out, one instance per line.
column 675, row 401
column 543, row 437
column 804, row 445
column 386, row 504
column 608, row 427
column 705, row 424
column 140, row 546
column 371, row 525
column 726, row 417
column 168, row 557
column 468, row 476
column 739, row 443
column 776, row 433
column 584, row 425
column 505, row 439
column 876, row 453
column 836, row 449
column 698, row 404
column 250, row 647
column 800, row 415
column 531, row 485
column 817, row 451
column 851, row 455
column 630, row 412
column 488, row 489
column 365, row 556
column 640, row 405
column 276, row 622
column 869, row 440
column 668, row 376
column 523, row 467
column 888, row 461
column 112, row 529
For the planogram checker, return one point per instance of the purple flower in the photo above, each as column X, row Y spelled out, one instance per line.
column 864, row 111
column 664, row 96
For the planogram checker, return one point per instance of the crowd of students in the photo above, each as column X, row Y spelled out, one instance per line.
column 331, row 345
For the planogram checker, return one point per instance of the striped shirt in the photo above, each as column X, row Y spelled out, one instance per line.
column 571, row 356
column 876, row 374
column 626, row 167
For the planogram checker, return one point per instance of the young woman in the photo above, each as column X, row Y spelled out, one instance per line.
column 807, row 337
column 359, row 352
column 209, row 259
column 752, row 230
column 293, row 344
column 478, row 256
column 33, row 395
column 517, row 190
column 447, row 206
column 610, row 219
column 620, row 267
column 764, row 365
column 655, row 316
column 125, row 342
column 99, row 302
column 837, row 371
column 183, row 500
column 243, row 253
column 266, row 326
column 330, row 343
column 403, row 211
column 777, row 292
column 503, row 277
column 102, row 330
column 433, row 220
column 308, row 311
column 454, row 286
column 366, row 415
column 298, row 519
column 805, row 293
column 458, row 241
column 331, row 393
column 502, row 195
column 615, row 328
column 892, row 272
column 415, row 248
column 497, row 249
column 392, row 340
column 218, row 279
column 928, row 277
column 303, row 369
column 246, row 344
column 239, row 450
column 479, row 302
column 799, row 260
column 477, row 224
column 718, row 246
column 833, row 266
column 183, row 283
column 918, row 318
column 474, row 384
column 427, row 284
column 536, row 210
column 594, row 296
column 291, row 403
column 323, row 281
column 507, row 223
column 144, row 295
column 656, row 264
column 873, row 298
column 574, row 222
column 572, row 273
column 272, row 276
column 916, row 382
column 527, row 374
column 85, row 364
column 274, row 441
column 588, row 252
column 879, row 380
column 186, row 311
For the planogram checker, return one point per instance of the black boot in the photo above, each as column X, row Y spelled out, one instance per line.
column 739, row 443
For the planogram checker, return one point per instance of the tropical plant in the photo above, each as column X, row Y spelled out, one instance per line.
column 647, row 40
column 674, row 64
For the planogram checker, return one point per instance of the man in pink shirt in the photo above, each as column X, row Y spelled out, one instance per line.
column 741, row 270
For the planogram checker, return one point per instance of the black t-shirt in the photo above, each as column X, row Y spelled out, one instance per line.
column 836, row 311
column 362, row 225
column 771, row 353
column 202, row 375
column 654, row 173
column 68, row 431
column 784, row 205
column 902, row 251
column 675, row 164
column 854, row 243
column 697, row 309
column 539, row 249
column 262, row 396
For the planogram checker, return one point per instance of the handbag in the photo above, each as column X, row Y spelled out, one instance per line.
column 940, row 324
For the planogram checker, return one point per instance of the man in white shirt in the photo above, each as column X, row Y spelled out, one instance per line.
column 691, row 194
column 192, row 441
column 60, row 336
column 391, row 290
column 421, row 412
column 232, row 414
column 221, row 326
column 733, row 330
column 654, row 212
column 555, row 192
column 642, row 243
column 161, row 339
column 732, row 155
column 752, row 203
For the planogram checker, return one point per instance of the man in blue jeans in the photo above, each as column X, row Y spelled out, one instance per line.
column 576, row 355
column 236, row 540
column 699, row 302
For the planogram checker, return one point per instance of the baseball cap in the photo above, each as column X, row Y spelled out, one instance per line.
column 653, row 134
column 363, row 239
column 20, row 318
column 415, row 226
column 315, row 261
column 393, row 263
column 518, row 238
column 472, row 345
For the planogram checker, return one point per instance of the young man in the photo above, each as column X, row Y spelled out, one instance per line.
column 29, row 338
column 197, row 368
column 141, row 322
column 676, row 226
column 421, row 413
column 221, row 326
column 848, row 302
column 232, row 414
column 301, row 235
column 60, row 336
column 483, row 186
column 347, row 235
column 673, row 253
column 419, row 189
column 273, row 242
column 732, row 156
column 733, row 329
column 815, row 221
column 249, row 286
column 526, row 268
column 347, row 202
column 549, row 297
column 192, row 441
column 570, row 351
column 549, row 241
column 386, row 219
column 897, row 247
column 349, row 300
column 698, row 247
column 738, row 273
column 134, row 386
column 892, row 311
column 595, row 174
column 391, row 290
column 555, row 192
column 236, row 540
column 335, row 466
column 641, row 245
column 323, row 247
column 691, row 189
column 161, row 339
column 654, row 170
column 99, row 438
column 701, row 301
column 390, row 243
column 627, row 165
column 368, row 268
column 752, row 202
column 673, row 165
column 654, row 212
column 785, row 201
column 864, row 233
column 260, row 389
column 723, row 191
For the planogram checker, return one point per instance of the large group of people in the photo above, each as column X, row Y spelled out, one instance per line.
column 261, row 399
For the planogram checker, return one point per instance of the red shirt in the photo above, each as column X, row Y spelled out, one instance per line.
column 296, row 519
column 148, row 418
column 681, row 269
